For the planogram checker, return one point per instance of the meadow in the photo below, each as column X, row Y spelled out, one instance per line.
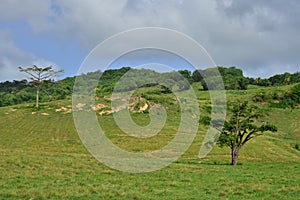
column 42, row 157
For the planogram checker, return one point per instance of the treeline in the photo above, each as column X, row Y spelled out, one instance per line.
column 220, row 78
column 234, row 79
column 279, row 79
column 231, row 78
column 17, row 92
column 128, row 79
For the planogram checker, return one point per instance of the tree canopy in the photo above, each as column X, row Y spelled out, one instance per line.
column 243, row 124
column 39, row 77
column 231, row 78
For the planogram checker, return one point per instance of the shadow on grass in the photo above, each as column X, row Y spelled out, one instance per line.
column 218, row 163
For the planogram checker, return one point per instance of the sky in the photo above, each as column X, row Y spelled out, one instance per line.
column 261, row 37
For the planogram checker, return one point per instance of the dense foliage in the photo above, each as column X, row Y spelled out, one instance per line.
column 16, row 92
column 233, row 78
column 280, row 99
column 278, row 79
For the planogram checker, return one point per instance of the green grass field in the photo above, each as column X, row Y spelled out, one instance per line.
column 42, row 157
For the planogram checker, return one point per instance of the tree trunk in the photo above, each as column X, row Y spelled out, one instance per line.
column 235, row 155
column 37, row 98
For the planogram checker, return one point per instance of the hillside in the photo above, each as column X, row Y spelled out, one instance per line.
column 42, row 156
column 21, row 91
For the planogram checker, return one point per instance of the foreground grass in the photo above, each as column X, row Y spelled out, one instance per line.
column 39, row 161
column 48, row 176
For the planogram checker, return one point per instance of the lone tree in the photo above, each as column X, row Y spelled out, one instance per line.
column 243, row 124
column 39, row 76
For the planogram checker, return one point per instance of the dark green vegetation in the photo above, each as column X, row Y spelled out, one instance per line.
column 17, row 92
column 279, row 98
column 42, row 156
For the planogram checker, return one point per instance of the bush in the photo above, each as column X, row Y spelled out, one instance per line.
column 297, row 146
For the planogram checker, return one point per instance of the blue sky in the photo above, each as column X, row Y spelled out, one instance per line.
column 261, row 37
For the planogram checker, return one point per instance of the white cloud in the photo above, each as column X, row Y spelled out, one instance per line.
column 260, row 36
column 12, row 57
column 26, row 9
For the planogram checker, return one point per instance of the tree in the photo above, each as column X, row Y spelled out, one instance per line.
column 220, row 77
column 243, row 124
column 196, row 76
column 186, row 74
column 39, row 76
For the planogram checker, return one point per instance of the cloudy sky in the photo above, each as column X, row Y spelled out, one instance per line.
column 262, row 37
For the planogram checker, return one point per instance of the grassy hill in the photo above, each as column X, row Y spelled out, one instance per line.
column 42, row 156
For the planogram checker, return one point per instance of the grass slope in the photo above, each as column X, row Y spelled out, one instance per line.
column 38, row 160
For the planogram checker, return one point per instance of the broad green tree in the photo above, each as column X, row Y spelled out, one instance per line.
column 39, row 76
column 243, row 124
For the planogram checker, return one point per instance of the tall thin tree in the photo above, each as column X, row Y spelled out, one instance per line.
column 39, row 76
